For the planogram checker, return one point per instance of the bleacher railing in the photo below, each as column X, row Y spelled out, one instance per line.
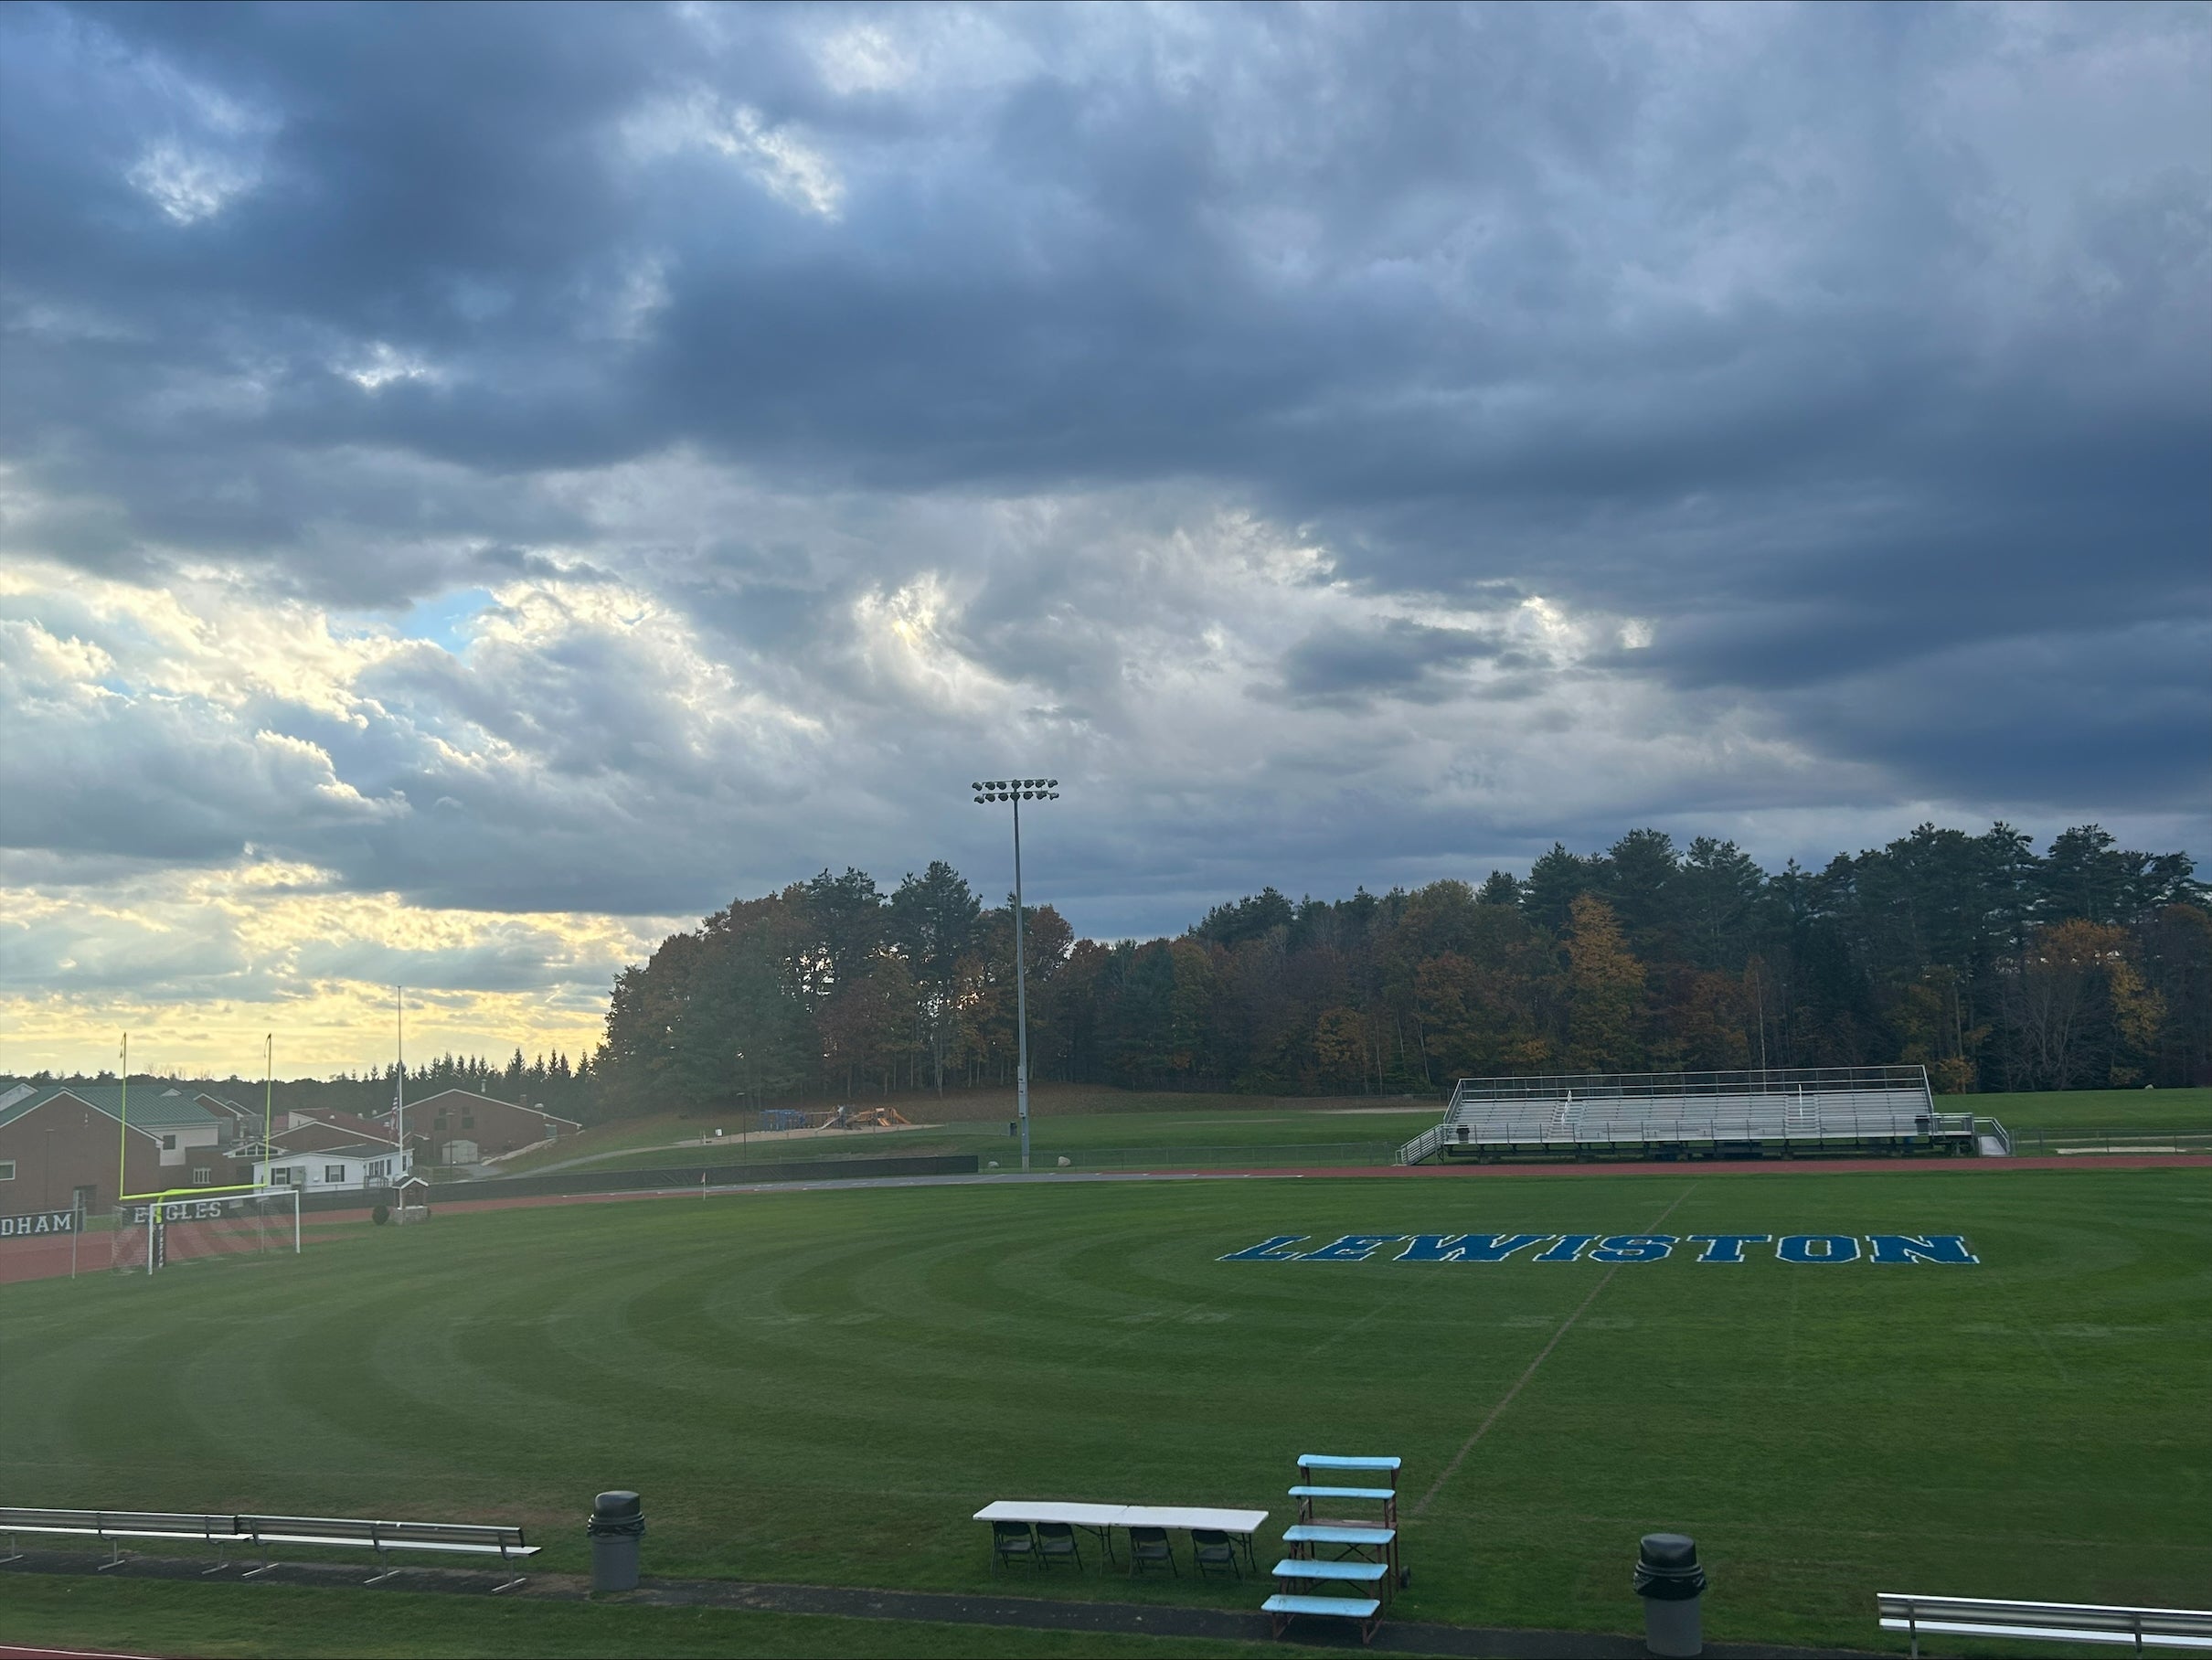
column 1424, row 1144
column 1662, row 1086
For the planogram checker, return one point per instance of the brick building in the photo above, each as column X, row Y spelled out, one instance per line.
column 59, row 1144
column 461, row 1127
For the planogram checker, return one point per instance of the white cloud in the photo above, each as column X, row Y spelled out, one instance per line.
column 776, row 157
column 189, row 185
column 863, row 58
column 380, row 364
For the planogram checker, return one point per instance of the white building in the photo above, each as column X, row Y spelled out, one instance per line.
column 374, row 1164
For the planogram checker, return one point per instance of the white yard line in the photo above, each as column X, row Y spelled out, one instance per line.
column 1543, row 1355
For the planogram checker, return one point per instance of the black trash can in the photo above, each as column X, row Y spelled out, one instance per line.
column 1670, row 1581
column 617, row 1524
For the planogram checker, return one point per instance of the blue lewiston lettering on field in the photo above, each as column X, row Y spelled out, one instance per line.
column 1817, row 1248
column 1467, row 1247
column 1276, row 1249
column 1920, row 1248
column 1570, row 1246
column 1727, row 1247
column 1806, row 1249
column 1634, row 1248
column 1352, row 1248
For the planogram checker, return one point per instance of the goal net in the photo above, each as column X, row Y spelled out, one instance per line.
column 153, row 1234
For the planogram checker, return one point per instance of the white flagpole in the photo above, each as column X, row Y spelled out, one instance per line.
column 400, row 1093
column 123, row 1134
column 261, row 1202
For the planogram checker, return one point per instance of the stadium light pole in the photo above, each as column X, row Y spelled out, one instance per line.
column 1017, row 791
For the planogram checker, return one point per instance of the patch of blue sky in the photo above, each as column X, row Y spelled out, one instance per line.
column 445, row 619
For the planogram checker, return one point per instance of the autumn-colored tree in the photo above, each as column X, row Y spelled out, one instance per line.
column 1340, row 1045
column 2080, row 1011
column 1969, row 954
column 1604, row 993
column 1703, row 1022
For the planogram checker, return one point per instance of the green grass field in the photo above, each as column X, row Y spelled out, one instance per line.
column 1107, row 1130
column 822, row 1387
column 1075, row 1118
column 1111, row 1140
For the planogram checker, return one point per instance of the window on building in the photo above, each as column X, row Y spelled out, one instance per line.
column 380, row 1166
column 334, row 1173
column 442, row 1119
column 468, row 1121
column 203, row 1176
column 7, row 1169
column 168, row 1143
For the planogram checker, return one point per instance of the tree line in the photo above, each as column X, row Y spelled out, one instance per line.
column 1995, row 966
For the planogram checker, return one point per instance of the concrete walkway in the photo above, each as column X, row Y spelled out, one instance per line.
column 1026, row 1614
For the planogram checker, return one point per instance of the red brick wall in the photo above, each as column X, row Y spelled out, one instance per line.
column 498, row 1127
column 81, row 1151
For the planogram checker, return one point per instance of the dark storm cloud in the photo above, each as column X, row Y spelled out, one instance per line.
column 1398, row 659
column 1860, row 356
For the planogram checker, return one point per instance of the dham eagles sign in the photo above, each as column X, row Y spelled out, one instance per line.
column 38, row 1224
column 1894, row 1248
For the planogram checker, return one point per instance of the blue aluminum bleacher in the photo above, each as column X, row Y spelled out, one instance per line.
column 1367, row 1554
column 1283, row 1607
column 1350, row 1573
column 1330, row 1461
column 1358, row 1538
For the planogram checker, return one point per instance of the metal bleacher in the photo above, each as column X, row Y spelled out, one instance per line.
column 1659, row 1115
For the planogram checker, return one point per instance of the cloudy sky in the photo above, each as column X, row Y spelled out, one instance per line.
column 480, row 487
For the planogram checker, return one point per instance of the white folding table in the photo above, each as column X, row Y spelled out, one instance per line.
column 1101, row 1519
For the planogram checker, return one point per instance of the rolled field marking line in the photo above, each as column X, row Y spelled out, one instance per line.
column 1543, row 1355
column 16, row 1651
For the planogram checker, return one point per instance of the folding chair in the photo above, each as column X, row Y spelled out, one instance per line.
column 1148, row 1547
column 1211, row 1548
column 1054, row 1543
column 1010, row 1540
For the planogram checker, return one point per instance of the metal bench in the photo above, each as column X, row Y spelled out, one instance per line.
column 1282, row 1608
column 115, row 1526
column 469, row 1538
column 2138, row 1628
column 260, row 1532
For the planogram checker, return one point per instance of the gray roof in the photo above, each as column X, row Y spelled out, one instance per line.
column 153, row 1106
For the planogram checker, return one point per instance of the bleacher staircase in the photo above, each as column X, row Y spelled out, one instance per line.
column 1364, row 1548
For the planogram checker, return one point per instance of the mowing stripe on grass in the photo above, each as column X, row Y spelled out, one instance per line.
column 1482, row 1429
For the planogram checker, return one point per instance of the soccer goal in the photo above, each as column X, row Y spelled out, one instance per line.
column 151, row 1234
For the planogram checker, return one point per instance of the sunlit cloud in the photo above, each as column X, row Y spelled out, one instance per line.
column 1345, row 445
